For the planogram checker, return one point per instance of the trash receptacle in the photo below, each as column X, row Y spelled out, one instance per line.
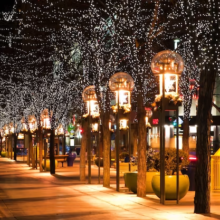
column 70, row 159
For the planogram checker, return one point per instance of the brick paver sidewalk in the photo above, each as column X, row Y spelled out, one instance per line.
column 26, row 194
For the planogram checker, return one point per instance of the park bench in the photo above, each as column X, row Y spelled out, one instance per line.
column 60, row 158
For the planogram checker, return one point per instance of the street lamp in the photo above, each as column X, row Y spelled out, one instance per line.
column 123, row 124
column 121, row 84
column 24, row 127
column 45, row 119
column 11, row 128
column 168, row 65
column 6, row 130
column 32, row 122
column 90, row 98
column 95, row 127
column 59, row 131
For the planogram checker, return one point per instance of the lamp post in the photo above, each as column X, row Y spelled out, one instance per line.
column 89, row 97
column 168, row 65
column 1, row 137
column 45, row 124
column 32, row 123
column 24, row 130
column 122, row 84
column 12, row 132
column 6, row 133
column 60, row 133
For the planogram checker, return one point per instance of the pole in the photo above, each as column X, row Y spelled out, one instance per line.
column 45, row 153
column 6, row 145
column 177, row 156
column 26, row 137
column 89, row 148
column 36, row 156
column 52, row 157
column 117, row 147
column 129, row 143
column 162, row 147
column 98, row 153
column 15, row 142
column 11, row 146
column 1, row 144
column 40, row 148
column 64, row 142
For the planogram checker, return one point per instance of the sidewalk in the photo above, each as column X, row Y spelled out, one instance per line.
column 26, row 194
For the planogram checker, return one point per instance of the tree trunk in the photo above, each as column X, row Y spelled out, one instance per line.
column 64, row 143
column 15, row 143
column 40, row 149
column 11, row 146
column 101, row 141
column 135, row 140
column 83, row 150
column 106, row 148
column 89, row 142
column 141, row 177
column 186, row 135
column 11, row 149
column 202, row 176
column 32, row 152
column 6, row 146
column 52, row 158
column 26, row 137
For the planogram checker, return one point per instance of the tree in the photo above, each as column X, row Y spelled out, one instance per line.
column 189, row 78
column 200, row 24
column 131, row 36
column 210, row 53
column 121, row 39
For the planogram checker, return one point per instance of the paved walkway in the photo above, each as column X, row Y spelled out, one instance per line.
column 26, row 194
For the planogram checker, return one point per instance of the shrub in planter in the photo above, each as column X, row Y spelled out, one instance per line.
column 170, row 161
column 152, row 161
column 170, row 171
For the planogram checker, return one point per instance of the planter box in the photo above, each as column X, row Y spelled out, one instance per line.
column 48, row 164
column 170, row 186
column 3, row 154
column 131, row 181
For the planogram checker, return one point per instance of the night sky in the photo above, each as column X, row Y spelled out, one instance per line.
column 6, row 5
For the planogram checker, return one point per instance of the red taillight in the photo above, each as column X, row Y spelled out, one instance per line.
column 192, row 158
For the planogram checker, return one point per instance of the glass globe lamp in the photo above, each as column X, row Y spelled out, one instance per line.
column 90, row 98
column 171, row 65
column 122, row 84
